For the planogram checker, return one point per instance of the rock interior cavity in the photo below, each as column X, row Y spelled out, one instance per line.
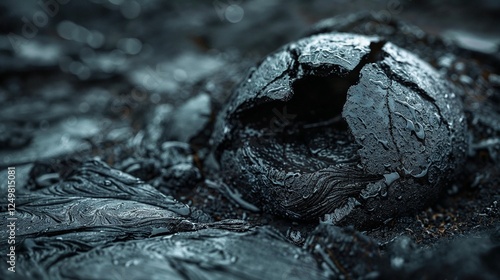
column 344, row 127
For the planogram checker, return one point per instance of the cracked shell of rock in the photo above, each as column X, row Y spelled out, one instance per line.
column 344, row 127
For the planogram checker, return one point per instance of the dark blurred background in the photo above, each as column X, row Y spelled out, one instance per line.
column 85, row 75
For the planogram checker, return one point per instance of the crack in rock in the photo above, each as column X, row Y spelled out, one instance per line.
column 351, row 131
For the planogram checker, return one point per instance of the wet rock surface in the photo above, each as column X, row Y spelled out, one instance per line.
column 368, row 130
column 160, row 140
column 214, row 254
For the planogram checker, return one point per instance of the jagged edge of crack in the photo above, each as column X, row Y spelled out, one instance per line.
column 336, row 184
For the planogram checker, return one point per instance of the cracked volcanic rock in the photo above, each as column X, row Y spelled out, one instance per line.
column 344, row 126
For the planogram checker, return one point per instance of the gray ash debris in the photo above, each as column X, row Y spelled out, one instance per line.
column 344, row 252
column 460, row 258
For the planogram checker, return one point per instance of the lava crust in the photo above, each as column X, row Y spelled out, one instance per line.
column 347, row 127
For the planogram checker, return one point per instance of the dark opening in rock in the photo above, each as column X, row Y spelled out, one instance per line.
column 307, row 132
column 319, row 100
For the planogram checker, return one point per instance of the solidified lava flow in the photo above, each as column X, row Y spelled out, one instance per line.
column 342, row 125
column 364, row 148
column 101, row 223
